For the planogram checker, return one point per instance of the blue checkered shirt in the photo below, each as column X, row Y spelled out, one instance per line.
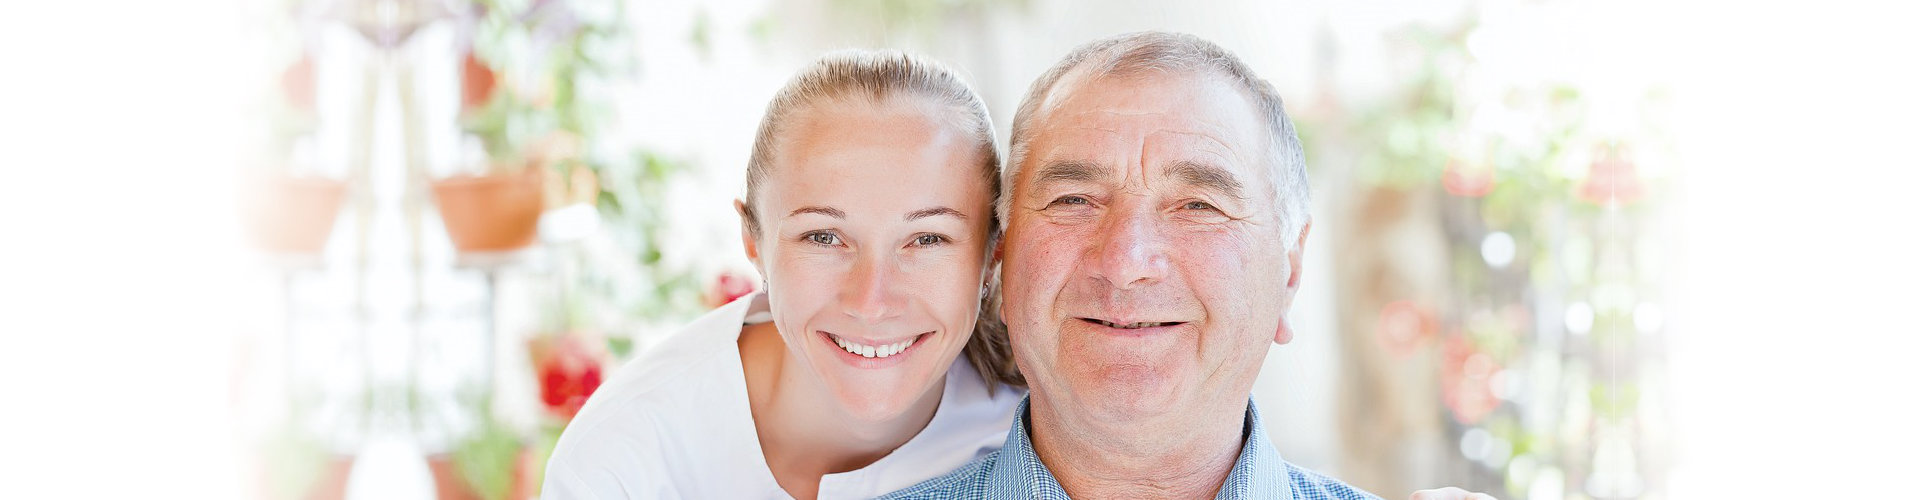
column 1015, row 472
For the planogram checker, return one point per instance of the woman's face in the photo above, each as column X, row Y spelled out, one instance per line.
column 874, row 223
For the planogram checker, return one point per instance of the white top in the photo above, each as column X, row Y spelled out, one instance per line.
column 675, row 423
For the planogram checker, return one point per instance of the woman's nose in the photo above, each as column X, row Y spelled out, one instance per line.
column 871, row 293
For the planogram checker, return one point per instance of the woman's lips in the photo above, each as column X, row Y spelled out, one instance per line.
column 866, row 349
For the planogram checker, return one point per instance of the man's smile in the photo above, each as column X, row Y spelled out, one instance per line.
column 1134, row 325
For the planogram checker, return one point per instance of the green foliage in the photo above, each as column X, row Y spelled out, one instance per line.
column 568, row 54
column 486, row 460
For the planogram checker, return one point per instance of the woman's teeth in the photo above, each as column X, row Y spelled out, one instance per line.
column 874, row 351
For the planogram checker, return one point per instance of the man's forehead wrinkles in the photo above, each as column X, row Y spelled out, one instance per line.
column 1211, row 137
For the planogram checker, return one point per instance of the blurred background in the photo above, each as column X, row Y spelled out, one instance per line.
column 1563, row 249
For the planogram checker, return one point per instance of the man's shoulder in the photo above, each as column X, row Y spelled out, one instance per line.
column 968, row 481
column 1310, row 485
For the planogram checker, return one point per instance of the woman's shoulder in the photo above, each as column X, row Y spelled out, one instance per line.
column 635, row 428
column 671, row 383
column 704, row 348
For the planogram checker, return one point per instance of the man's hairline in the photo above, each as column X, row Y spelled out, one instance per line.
column 1019, row 151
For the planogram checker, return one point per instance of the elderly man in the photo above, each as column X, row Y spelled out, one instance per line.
column 1155, row 216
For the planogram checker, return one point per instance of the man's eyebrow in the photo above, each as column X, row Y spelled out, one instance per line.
column 1207, row 176
column 930, row 212
column 1071, row 171
column 827, row 211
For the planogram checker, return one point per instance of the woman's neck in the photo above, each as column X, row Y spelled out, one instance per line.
column 804, row 433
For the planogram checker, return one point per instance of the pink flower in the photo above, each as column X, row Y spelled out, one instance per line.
column 1403, row 327
column 1468, row 181
column 1466, row 376
column 727, row 287
column 296, row 83
column 1611, row 179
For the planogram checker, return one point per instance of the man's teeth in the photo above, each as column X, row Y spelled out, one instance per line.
column 1144, row 324
column 874, row 351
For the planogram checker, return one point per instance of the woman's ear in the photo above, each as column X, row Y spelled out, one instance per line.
column 747, row 239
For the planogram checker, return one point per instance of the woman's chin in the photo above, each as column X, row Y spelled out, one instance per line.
column 876, row 401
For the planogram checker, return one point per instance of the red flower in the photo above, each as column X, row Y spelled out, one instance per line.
column 570, row 369
column 727, row 287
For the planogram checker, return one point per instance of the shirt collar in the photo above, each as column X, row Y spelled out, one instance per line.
column 1259, row 472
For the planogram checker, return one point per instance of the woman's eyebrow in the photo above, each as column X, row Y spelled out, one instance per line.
column 930, row 212
column 827, row 211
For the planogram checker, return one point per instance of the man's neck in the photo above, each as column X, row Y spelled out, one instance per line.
column 1167, row 458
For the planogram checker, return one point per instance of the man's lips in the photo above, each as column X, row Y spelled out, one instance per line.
column 1131, row 325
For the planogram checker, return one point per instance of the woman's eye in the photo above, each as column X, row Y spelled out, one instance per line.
column 1198, row 205
column 828, row 239
column 929, row 240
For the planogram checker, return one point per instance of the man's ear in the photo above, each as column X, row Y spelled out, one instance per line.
column 747, row 240
column 1284, row 333
column 1294, row 256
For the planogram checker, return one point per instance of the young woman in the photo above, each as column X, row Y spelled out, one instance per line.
column 864, row 366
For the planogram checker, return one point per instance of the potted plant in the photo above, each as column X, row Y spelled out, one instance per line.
column 495, row 204
column 495, row 463
column 289, row 208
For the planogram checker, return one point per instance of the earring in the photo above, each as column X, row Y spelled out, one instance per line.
column 985, row 290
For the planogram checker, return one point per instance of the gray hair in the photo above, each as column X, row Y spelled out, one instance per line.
column 1135, row 53
column 876, row 77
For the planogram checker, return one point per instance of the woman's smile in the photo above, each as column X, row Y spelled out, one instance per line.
column 864, row 353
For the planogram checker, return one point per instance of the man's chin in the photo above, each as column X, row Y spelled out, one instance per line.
column 1128, row 395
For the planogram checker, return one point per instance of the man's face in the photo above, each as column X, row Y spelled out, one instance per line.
column 1145, row 266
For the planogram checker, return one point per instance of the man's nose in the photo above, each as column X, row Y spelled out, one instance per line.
column 870, row 292
column 1130, row 250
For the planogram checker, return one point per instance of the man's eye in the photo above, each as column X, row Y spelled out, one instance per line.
column 926, row 240
column 1071, row 200
column 1197, row 205
column 828, row 239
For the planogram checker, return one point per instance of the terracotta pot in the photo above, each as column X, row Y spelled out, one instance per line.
column 490, row 213
column 476, row 83
column 297, row 82
column 292, row 215
column 333, row 480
